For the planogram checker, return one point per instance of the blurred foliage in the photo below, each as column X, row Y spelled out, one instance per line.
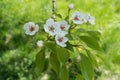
column 17, row 51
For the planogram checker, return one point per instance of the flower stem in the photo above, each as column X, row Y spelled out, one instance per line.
column 69, row 15
column 53, row 6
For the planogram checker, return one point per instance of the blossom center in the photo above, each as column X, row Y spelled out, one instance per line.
column 60, row 39
column 51, row 28
column 32, row 28
column 76, row 18
column 62, row 27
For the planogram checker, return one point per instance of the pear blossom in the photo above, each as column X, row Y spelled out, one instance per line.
column 78, row 18
column 31, row 28
column 61, row 39
column 51, row 27
column 63, row 25
column 90, row 19
column 40, row 43
column 70, row 6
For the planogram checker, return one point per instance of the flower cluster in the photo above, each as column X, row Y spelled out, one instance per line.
column 57, row 29
column 80, row 18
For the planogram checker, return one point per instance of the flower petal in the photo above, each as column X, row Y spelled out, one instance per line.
column 37, row 28
column 49, row 21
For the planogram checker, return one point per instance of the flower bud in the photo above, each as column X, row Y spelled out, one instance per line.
column 53, row 16
column 70, row 6
column 40, row 43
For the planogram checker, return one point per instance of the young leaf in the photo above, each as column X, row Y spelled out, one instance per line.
column 86, row 68
column 40, row 61
column 54, row 63
column 63, row 55
column 91, row 42
column 58, row 15
column 64, row 74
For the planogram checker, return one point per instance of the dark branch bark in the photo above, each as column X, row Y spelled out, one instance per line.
column 53, row 6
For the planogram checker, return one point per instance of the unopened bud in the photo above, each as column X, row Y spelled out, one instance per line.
column 40, row 43
column 53, row 16
column 70, row 6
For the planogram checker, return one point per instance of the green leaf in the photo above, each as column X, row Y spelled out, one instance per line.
column 94, row 34
column 86, row 68
column 81, row 30
column 58, row 15
column 91, row 42
column 62, row 54
column 40, row 61
column 69, row 47
column 64, row 74
column 51, row 45
column 69, row 36
column 92, row 58
column 54, row 63
column 79, row 77
column 66, row 18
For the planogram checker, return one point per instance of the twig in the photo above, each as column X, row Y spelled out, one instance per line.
column 53, row 6
column 76, row 45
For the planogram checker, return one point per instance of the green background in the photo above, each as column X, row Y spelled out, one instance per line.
column 17, row 50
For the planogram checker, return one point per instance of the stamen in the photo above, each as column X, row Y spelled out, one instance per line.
column 76, row 18
column 51, row 28
column 62, row 27
column 32, row 28
column 60, row 39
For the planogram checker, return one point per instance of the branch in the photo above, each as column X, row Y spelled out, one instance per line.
column 53, row 6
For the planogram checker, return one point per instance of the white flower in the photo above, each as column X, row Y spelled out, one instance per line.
column 40, row 43
column 61, row 39
column 63, row 25
column 51, row 27
column 31, row 28
column 78, row 18
column 90, row 19
column 70, row 6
